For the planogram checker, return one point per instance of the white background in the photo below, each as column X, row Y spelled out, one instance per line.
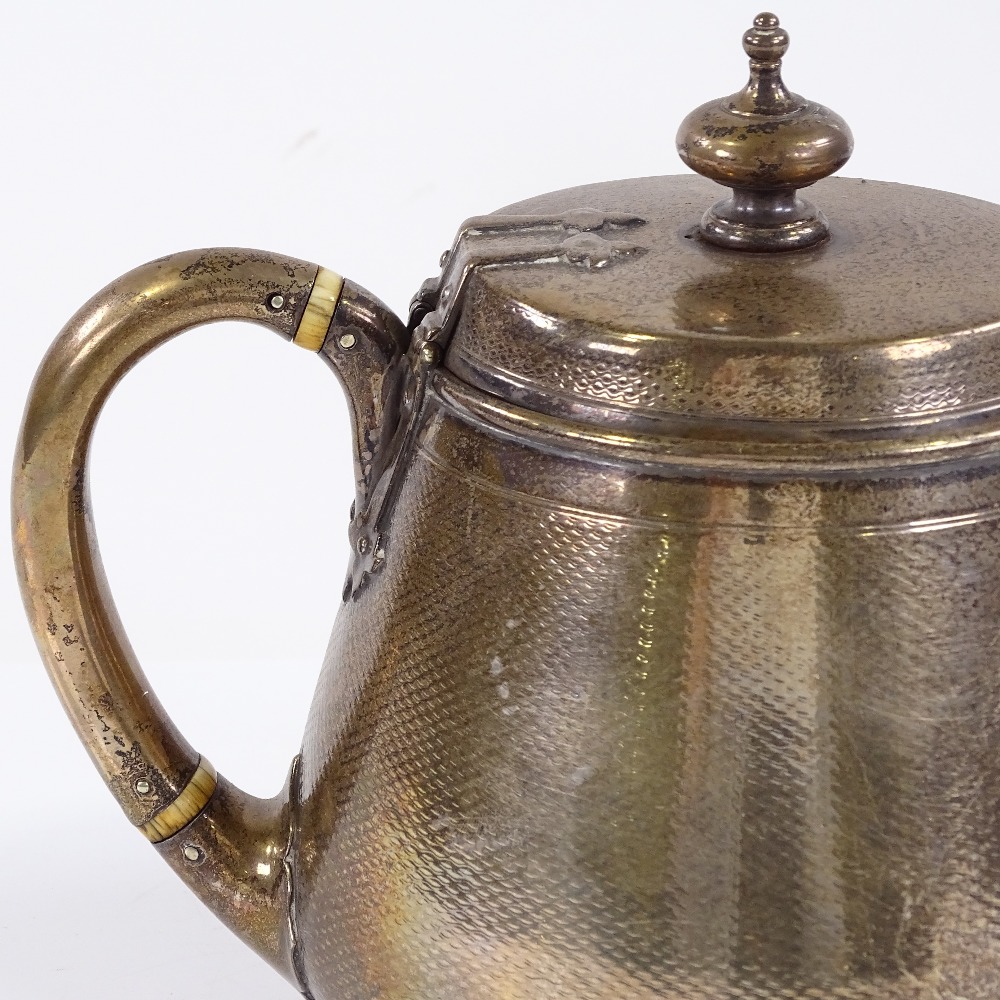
column 358, row 136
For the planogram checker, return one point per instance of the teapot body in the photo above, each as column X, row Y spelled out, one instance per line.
column 597, row 730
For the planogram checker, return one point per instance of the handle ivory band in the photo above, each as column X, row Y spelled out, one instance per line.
column 319, row 310
column 192, row 799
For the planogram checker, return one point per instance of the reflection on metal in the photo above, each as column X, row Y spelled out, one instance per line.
column 764, row 142
column 668, row 658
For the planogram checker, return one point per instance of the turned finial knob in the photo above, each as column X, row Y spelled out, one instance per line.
column 766, row 41
column 765, row 143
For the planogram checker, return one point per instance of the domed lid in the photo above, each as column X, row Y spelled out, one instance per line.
column 752, row 329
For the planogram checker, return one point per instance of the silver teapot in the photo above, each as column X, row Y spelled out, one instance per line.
column 665, row 665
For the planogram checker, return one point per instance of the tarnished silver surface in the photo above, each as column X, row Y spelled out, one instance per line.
column 691, row 707
column 667, row 663
column 765, row 143
column 596, row 734
column 892, row 321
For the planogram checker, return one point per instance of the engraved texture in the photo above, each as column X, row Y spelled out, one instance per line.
column 895, row 318
column 730, row 382
column 726, row 745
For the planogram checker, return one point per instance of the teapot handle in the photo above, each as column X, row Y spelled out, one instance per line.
column 232, row 849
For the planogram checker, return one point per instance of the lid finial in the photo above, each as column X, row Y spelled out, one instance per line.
column 765, row 143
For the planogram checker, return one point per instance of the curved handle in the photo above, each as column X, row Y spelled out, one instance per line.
column 230, row 847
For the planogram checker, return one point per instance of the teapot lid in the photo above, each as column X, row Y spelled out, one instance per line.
column 756, row 327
